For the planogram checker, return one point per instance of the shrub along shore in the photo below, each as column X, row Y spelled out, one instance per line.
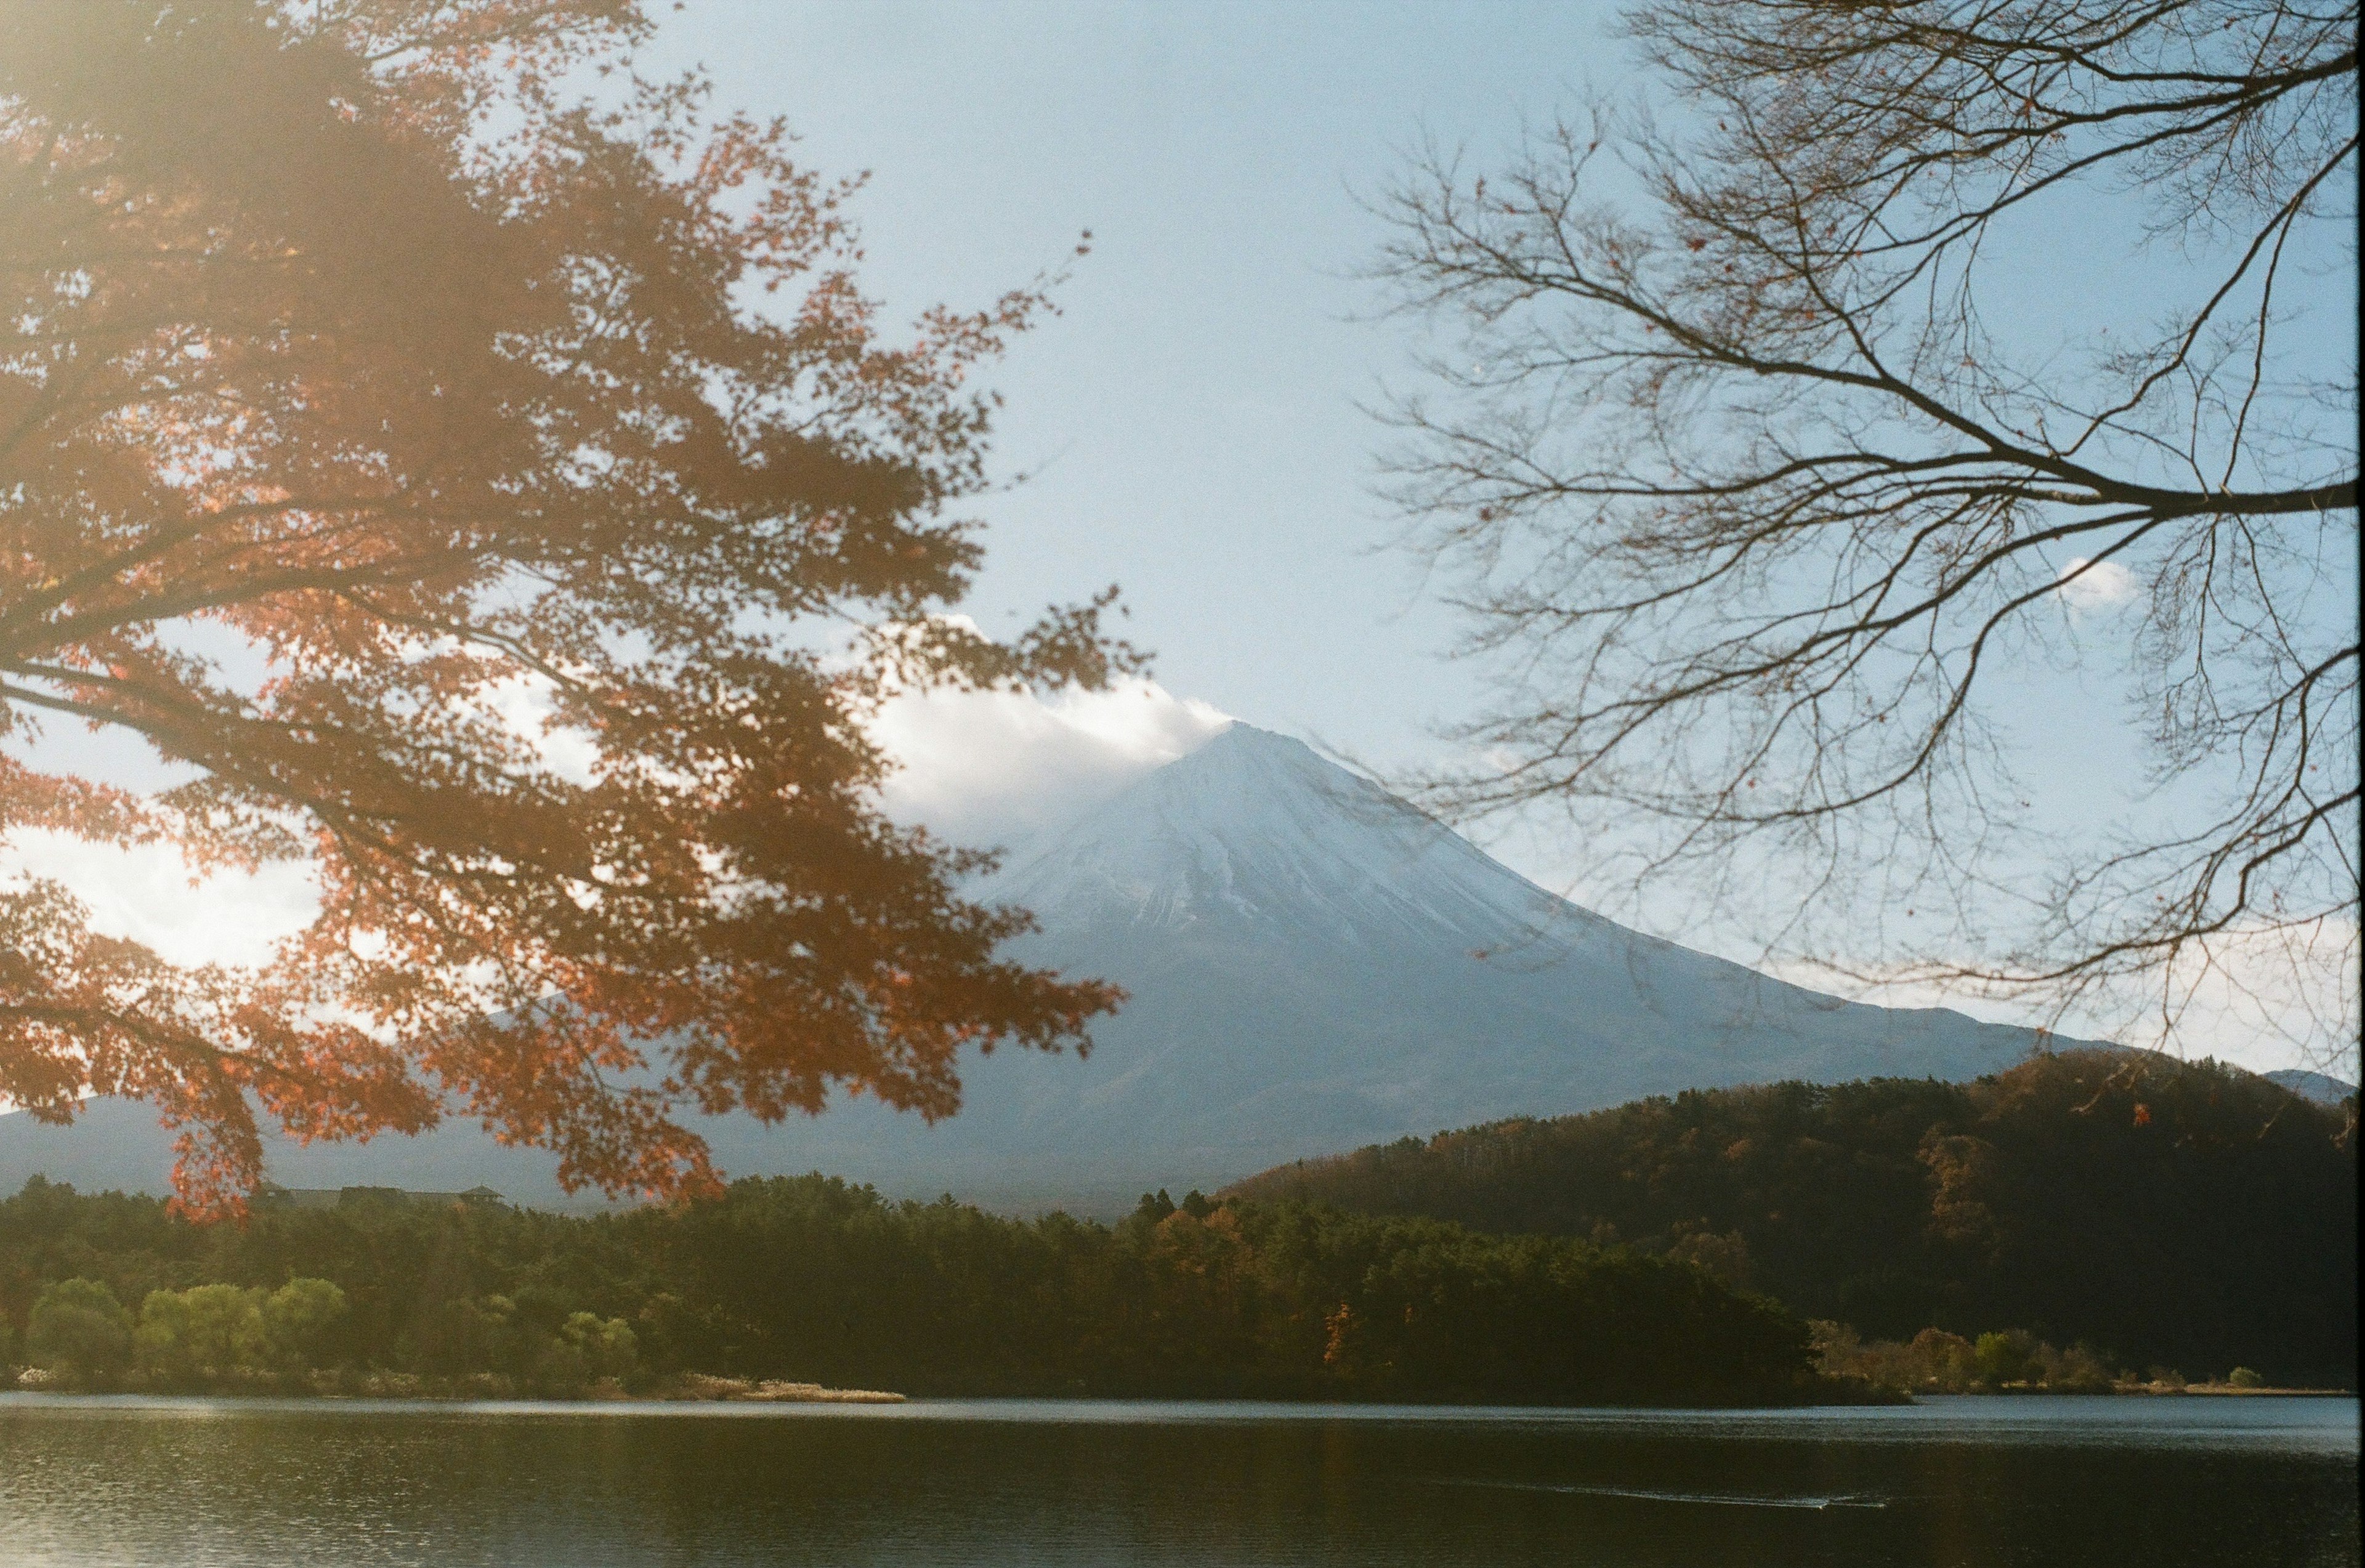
column 816, row 1284
column 2008, row 1360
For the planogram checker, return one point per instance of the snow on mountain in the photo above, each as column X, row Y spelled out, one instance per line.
column 1255, row 827
column 1312, row 964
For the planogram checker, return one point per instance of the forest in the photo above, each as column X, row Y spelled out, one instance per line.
column 1757, row 1245
column 812, row 1280
column 2179, row 1217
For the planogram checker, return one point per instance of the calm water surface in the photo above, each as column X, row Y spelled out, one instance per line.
column 243, row 1484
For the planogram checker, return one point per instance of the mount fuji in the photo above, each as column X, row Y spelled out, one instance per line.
column 1313, row 965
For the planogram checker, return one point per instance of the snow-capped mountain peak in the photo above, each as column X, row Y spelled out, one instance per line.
column 1257, row 827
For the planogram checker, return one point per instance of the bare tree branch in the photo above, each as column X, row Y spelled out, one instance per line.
column 1760, row 496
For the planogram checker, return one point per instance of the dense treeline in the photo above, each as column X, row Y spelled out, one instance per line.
column 2166, row 1214
column 814, row 1280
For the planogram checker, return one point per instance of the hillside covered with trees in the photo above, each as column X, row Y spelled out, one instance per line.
column 2186, row 1215
column 812, row 1280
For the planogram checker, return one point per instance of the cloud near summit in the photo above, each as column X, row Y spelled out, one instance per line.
column 986, row 768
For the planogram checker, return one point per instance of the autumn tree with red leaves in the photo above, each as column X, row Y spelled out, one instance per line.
column 369, row 363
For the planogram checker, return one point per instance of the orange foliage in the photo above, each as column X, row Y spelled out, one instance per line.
column 342, row 337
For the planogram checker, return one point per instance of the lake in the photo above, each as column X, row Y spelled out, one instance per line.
column 243, row 1484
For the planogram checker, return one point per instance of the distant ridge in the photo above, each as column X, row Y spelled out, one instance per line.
column 1313, row 965
column 2322, row 1087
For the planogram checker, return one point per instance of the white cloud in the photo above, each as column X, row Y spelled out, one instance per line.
column 146, row 894
column 2095, row 585
column 523, row 703
column 989, row 768
column 983, row 768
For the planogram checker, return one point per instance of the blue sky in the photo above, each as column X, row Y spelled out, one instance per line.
column 1192, row 423
column 1189, row 423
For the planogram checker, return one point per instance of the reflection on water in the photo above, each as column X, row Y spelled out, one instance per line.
column 2157, row 1482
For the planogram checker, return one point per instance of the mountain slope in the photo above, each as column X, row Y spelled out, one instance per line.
column 2320, row 1088
column 1313, row 965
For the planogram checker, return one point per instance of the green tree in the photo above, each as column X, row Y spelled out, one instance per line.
column 586, row 1349
column 78, row 1328
column 2002, row 1358
column 299, row 1320
column 2078, row 1370
column 610, row 1347
column 205, row 1334
column 1949, row 1360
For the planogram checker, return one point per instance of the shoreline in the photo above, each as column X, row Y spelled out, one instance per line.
column 704, row 1388
column 2233, row 1391
column 677, row 1389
